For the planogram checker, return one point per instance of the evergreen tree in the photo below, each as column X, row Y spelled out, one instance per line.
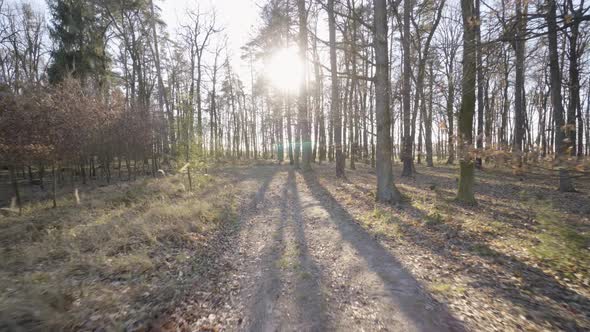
column 78, row 32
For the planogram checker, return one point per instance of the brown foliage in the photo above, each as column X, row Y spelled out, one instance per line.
column 68, row 123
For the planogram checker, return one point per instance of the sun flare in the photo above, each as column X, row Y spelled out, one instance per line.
column 285, row 69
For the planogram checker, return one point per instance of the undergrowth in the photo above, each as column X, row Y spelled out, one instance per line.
column 124, row 252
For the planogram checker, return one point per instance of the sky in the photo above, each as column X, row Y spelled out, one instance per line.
column 237, row 17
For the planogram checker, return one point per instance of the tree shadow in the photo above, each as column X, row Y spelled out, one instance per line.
column 307, row 301
column 312, row 305
column 210, row 272
column 268, row 288
column 522, row 285
column 403, row 289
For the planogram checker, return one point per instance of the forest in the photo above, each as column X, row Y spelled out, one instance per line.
column 294, row 165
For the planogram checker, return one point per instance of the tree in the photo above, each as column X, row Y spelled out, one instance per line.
column 466, row 175
column 407, row 158
column 386, row 190
column 78, row 30
column 519, row 45
column 448, row 44
column 304, row 127
column 565, row 182
column 163, row 102
column 335, row 100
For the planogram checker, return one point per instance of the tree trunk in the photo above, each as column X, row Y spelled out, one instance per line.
column 386, row 190
column 519, row 95
column 565, row 182
column 573, row 110
column 407, row 74
column 161, row 89
column 451, row 120
column 466, row 178
column 14, row 182
column 428, row 121
column 304, row 127
column 335, row 102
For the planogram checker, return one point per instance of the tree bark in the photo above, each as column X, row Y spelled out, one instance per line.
column 335, row 102
column 407, row 74
column 465, row 193
column 565, row 182
column 519, row 95
column 386, row 190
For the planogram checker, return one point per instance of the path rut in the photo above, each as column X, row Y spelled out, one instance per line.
column 304, row 265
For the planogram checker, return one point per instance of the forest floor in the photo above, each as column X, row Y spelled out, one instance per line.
column 266, row 247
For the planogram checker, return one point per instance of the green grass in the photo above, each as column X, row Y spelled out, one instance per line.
column 381, row 222
column 560, row 245
column 434, row 218
column 446, row 289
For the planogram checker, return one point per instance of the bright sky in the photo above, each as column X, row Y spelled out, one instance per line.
column 238, row 17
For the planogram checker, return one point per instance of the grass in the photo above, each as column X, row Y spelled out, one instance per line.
column 483, row 250
column 381, row 222
column 117, row 255
column 290, row 258
column 446, row 289
column 561, row 245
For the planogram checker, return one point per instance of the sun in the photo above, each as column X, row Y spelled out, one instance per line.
column 285, row 70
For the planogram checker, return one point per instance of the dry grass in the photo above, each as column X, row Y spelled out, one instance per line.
column 117, row 258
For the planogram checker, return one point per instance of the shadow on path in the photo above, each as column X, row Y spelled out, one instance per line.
column 412, row 304
column 309, row 299
column 288, row 295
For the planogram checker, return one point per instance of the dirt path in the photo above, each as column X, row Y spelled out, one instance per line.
column 302, row 264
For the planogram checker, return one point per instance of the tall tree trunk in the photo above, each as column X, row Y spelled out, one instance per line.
column 14, row 182
column 304, row 127
column 519, row 96
column 407, row 74
column 451, row 120
column 466, row 177
column 480, row 88
column 428, row 121
column 289, row 132
column 386, row 190
column 573, row 110
column 335, row 102
column 565, row 182
column 161, row 90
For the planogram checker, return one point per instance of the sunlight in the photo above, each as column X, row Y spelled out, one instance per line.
column 285, row 70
